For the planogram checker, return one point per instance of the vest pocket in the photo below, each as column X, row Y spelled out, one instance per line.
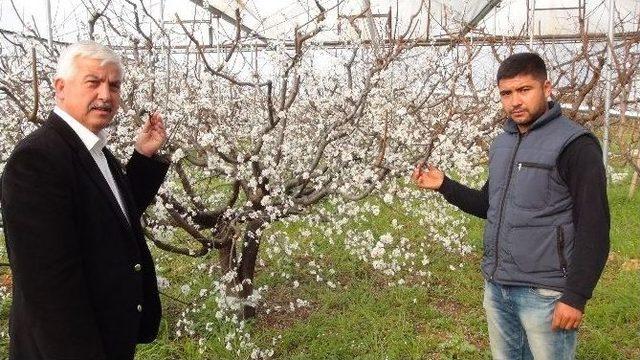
column 531, row 185
column 561, row 245
column 488, row 247
column 534, row 249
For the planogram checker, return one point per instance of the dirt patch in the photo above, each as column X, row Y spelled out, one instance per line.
column 631, row 265
column 6, row 280
column 281, row 320
column 449, row 307
column 280, row 315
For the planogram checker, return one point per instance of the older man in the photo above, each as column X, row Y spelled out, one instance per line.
column 84, row 281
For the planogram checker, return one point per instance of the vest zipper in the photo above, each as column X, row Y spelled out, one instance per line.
column 504, row 198
column 534, row 165
column 560, row 244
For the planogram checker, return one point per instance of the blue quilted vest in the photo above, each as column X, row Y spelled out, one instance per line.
column 529, row 232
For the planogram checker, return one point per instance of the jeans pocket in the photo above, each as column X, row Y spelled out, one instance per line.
column 546, row 293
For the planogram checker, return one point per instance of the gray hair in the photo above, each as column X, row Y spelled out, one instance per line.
column 84, row 49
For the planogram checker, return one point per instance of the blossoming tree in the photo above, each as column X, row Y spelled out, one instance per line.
column 310, row 136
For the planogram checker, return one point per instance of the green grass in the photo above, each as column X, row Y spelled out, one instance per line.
column 625, row 221
column 612, row 324
column 364, row 318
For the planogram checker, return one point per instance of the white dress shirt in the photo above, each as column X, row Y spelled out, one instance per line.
column 95, row 144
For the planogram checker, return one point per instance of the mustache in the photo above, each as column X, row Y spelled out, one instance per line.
column 101, row 106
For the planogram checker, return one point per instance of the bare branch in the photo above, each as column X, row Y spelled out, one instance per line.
column 147, row 38
column 94, row 18
column 172, row 248
column 33, row 116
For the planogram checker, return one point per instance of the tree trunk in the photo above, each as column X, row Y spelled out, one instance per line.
column 247, row 266
column 623, row 116
column 227, row 255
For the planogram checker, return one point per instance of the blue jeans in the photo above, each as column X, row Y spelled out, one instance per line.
column 519, row 319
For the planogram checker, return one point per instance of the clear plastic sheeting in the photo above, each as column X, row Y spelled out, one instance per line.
column 279, row 18
column 347, row 18
column 558, row 17
column 213, row 21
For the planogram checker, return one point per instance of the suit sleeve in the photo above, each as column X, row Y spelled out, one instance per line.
column 145, row 175
column 45, row 256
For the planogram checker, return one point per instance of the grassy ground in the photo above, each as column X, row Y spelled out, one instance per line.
column 366, row 319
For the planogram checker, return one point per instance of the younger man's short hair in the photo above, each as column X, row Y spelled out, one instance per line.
column 522, row 64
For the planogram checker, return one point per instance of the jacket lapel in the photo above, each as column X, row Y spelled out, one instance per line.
column 127, row 196
column 87, row 162
column 123, row 185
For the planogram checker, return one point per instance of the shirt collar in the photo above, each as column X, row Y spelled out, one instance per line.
column 88, row 138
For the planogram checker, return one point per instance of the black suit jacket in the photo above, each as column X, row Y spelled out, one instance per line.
column 84, row 284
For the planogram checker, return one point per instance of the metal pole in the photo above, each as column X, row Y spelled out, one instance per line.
column 49, row 23
column 219, row 58
column 162, row 14
column 168, row 70
column 167, row 80
column 210, row 29
column 338, row 20
column 372, row 27
column 428, row 20
column 607, row 100
column 532, row 23
column 255, row 63
column 218, row 55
